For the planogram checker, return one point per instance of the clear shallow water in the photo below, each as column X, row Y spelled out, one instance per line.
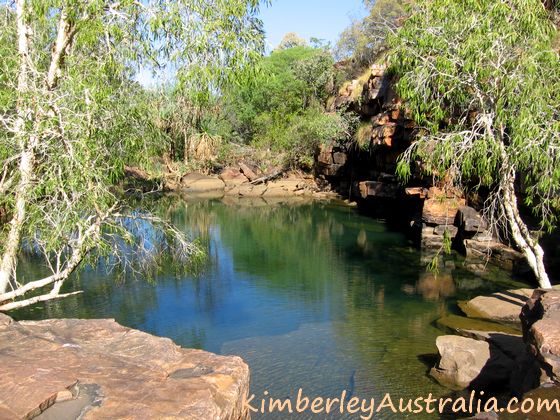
column 312, row 296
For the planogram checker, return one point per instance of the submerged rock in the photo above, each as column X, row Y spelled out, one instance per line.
column 434, row 286
column 467, row 326
column 125, row 373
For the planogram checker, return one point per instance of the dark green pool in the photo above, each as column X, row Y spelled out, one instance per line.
column 312, row 296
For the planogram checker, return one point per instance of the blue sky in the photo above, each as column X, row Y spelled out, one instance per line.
column 324, row 19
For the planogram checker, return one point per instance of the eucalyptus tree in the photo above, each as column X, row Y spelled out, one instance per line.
column 365, row 39
column 482, row 78
column 72, row 118
column 291, row 40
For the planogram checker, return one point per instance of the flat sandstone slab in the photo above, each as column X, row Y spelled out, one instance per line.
column 501, row 307
column 135, row 375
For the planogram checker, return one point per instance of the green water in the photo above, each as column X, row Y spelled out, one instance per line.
column 312, row 296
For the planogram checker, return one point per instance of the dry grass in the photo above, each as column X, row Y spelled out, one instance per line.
column 362, row 137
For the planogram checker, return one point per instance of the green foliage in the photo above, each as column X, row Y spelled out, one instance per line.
column 481, row 77
column 93, row 120
column 282, row 107
column 300, row 135
column 362, row 136
column 195, row 134
column 8, row 63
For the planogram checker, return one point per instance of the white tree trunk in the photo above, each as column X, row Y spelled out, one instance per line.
column 28, row 141
column 529, row 246
column 9, row 258
column 80, row 250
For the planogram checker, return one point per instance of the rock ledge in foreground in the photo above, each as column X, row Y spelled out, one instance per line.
column 135, row 375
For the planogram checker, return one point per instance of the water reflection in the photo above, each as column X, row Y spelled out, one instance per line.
column 311, row 295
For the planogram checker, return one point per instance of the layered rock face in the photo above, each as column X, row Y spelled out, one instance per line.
column 367, row 173
column 540, row 319
column 385, row 132
column 66, row 368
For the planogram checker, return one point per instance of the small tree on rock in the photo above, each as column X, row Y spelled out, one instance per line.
column 291, row 40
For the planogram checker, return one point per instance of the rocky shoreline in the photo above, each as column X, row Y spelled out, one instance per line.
column 234, row 182
column 489, row 349
column 97, row 369
column 507, row 345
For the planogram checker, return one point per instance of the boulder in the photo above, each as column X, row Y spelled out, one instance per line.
column 5, row 320
column 441, row 229
column 381, row 119
column 249, row 172
column 339, row 158
column 546, row 391
column 441, row 210
column 377, row 85
column 249, row 190
column 504, row 340
column 541, row 304
column 540, row 319
column 330, row 161
column 419, row 192
column 198, row 183
column 377, row 189
column 192, row 177
column 285, row 187
column 330, row 170
column 469, row 220
column 325, row 156
column 468, row 363
column 232, row 176
column 100, row 369
column 429, row 239
column 383, row 131
column 500, row 254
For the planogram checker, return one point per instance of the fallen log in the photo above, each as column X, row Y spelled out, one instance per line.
column 267, row 178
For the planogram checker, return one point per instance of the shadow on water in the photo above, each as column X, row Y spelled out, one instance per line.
column 312, row 296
